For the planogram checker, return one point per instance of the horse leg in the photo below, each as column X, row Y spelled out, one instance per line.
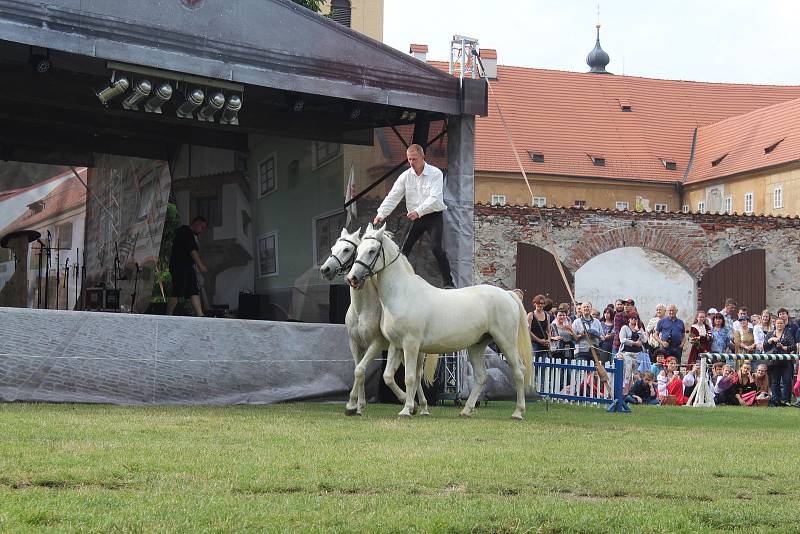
column 360, row 373
column 513, row 358
column 423, row 402
column 410, row 355
column 477, row 357
column 351, row 408
column 392, row 364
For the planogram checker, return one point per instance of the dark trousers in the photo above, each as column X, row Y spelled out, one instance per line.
column 433, row 223
column 781, row 372
column 675, row 351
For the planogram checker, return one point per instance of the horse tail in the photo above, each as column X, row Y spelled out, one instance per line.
column 429, row 374
column 524, row 345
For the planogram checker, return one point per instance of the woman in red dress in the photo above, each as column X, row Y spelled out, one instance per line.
column 699, row 337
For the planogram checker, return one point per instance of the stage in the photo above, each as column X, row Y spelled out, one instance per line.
column 66, row 356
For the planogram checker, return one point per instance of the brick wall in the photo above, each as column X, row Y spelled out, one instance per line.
column 696, row 241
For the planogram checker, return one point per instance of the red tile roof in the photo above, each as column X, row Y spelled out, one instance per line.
column 69, row 195
column 568, row 116
column 762, row 138
column 488, row 53
column 421, row 48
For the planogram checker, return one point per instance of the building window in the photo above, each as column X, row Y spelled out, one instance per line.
column 326, row 232
column 748, row 203
column 718, row 160
column 324, row 152
column 772, row 147
column 685, row 208
column 663, row 207
column 498, row 200
column 267, row 182
column 64, row 235
column 580, row 204
column 36, row 207
column 536, row 157
column 268, row 255
column 208, row 207
column 669, row 164
column 598, row 161
column 341, row 12
column 622, row 206
column 728, row 205
column 701, row 207
column 777, row 198
column 540, row 202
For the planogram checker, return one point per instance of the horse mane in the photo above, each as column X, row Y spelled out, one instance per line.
column 403, row 260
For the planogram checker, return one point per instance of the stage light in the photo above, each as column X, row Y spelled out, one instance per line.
column 230, row 115
column 193, row 100
column 355, row 112
column 40, row 63
column 214, row 104
column 140, row 91
column 113, row 90
column 162, row 93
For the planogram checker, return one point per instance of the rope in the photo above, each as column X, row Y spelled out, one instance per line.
column 601, row 371
column 720, row 356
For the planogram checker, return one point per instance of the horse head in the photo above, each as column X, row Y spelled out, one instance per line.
column 343, row 253
column 368, row 257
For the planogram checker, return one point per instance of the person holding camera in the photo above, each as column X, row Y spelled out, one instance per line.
column 671, row 333
column 780, row 341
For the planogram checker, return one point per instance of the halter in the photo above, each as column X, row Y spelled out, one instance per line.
column 344, row 267
column 371, row 267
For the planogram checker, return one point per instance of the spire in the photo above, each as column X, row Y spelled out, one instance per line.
column 597, row 58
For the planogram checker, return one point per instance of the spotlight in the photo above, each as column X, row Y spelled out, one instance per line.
column 230, row 115
column 405, row 115
column 140, row 91
column 113, row 90
column 193, row 100
column 40, row 63
column 355, row 112
column 162, row 94
column 214, row 104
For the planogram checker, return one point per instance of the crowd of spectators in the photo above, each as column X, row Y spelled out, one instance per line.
column 652, row 352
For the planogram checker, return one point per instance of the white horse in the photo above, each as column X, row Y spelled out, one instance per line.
column 419, row 317
column 363, row 322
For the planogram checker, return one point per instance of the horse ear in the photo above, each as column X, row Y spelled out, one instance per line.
column 369, row 227
column 344, row 232
column 358, row 232
column 380, row 231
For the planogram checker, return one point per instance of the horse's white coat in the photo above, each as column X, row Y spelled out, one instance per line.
column 418, row 317
column 363, row 321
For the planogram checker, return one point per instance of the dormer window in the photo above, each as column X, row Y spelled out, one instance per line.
column 597, row 161
column 536, row 157
column 36, row 207
column 625, row 105
column 772, row 147
column 669, row 164
column 718, row 160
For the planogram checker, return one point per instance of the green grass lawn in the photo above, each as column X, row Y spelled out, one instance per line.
column 306, row 467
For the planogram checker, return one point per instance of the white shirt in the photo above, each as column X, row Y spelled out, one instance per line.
column 423, row 193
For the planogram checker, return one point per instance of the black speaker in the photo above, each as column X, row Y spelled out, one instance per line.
column 339, row 301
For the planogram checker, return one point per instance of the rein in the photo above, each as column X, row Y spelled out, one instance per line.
column 344, row 267
column 381, row 254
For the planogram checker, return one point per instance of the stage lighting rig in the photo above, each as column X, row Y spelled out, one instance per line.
column 162, row 94
column 141, row 91
column 230, row 115
column 213, row 104
column 193, row 100
column 112, row 90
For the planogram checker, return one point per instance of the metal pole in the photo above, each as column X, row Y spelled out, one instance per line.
column 58, row 273
column 39, row 277
column 47, row 275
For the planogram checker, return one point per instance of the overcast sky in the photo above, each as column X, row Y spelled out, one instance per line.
column 741, row 41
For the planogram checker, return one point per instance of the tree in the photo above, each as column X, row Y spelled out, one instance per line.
column 313, row 5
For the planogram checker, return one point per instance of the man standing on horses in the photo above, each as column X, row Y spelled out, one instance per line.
column 422, row 186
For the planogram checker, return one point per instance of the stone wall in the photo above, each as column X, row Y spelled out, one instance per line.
column 695, row 241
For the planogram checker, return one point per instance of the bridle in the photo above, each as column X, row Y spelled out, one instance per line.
column 344, row 268
column 381, row 254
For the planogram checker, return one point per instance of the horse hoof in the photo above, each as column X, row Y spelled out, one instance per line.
column 424, row 413
column 516, row 417
column 465, row 414
column 351, row 411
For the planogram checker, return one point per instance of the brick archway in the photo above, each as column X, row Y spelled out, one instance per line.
column 687, row 250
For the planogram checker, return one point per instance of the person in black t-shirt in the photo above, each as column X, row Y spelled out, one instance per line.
column 184, row 259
